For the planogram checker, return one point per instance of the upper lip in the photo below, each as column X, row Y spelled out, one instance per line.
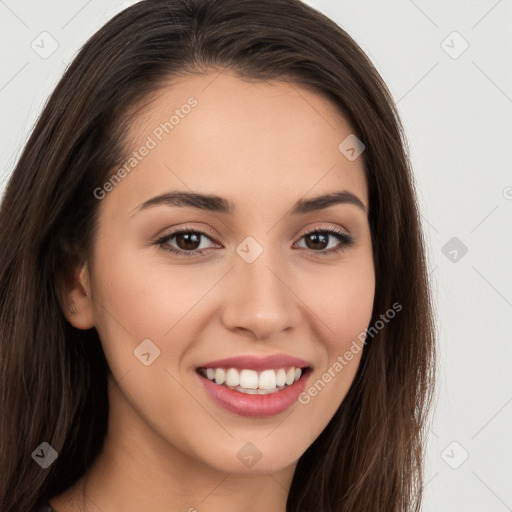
column 257, row 363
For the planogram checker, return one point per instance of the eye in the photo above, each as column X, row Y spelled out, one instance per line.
column 189, row 241
column 320, row 238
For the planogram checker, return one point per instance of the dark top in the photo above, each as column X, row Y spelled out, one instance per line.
column 45, row 508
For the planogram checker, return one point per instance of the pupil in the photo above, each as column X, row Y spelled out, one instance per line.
column 188, row 237
column 316, row 237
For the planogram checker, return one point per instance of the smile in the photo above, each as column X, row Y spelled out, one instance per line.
column 244, row 398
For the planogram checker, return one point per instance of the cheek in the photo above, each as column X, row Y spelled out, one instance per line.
column 350, row 305
column 138, row 300
column 342, row 299
column 144, row 296
column 343, row 306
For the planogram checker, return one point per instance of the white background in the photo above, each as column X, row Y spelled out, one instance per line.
column 458, row 115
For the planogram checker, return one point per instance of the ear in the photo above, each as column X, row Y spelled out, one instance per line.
column 77, row 298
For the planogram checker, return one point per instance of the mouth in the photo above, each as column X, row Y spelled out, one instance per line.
column 247, row 392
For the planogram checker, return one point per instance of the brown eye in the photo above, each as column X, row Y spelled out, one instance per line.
column 318, row 240
column 186, row 241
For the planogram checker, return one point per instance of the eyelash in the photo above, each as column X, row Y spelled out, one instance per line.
column 346, row 241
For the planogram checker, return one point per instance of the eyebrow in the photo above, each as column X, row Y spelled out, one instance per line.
column 213, row 203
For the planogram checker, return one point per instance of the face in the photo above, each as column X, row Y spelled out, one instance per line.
column 247, row 275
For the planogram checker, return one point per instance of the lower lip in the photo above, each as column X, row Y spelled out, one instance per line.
column 244, row 404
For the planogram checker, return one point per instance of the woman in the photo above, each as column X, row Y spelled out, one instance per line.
column 214, row 293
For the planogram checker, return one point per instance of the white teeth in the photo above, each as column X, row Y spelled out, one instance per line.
column 248, row 379
column 220, row 375
column 267, row 379
column 252, row 382
column 232, row 377
column 290, row 376
column 280, row 378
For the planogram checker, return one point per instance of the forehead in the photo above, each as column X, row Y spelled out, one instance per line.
column 256, row 140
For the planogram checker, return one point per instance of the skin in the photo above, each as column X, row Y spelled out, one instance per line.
column 263, row 146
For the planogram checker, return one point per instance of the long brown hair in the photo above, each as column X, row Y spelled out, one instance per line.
column 53, row 376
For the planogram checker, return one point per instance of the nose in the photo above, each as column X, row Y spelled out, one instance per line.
column 259, row 300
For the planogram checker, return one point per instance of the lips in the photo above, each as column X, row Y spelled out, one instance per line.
column 271, row 402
